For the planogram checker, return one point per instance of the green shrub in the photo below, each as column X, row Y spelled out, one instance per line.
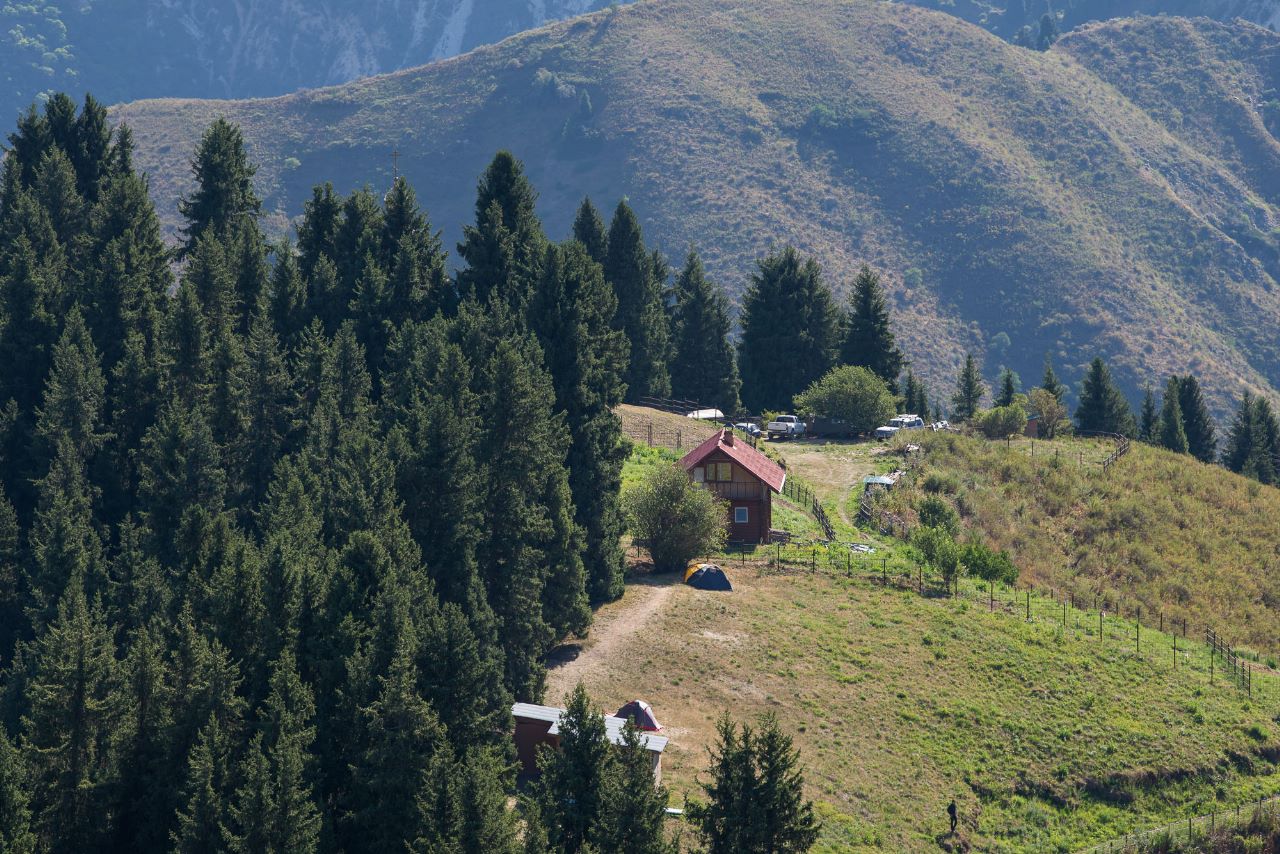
column 938, row 483
column 853, row 395
column 936, row 513
column 1002, row 421
column 989, row 564
column 678, row 520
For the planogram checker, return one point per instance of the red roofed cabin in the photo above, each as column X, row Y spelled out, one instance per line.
column 743, row 477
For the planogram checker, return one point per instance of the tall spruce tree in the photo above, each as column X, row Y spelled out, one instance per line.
column 69, row 725
column 224, row 195
column 1253, row 442
column 505, row 246
column 1172, row 434
column 790, row 330
column 703, row 365
column 634, row 818
column 1149, row 420
column 571, row 313
column 628, row 268
column 1008, row 388
column 15, row 811
column 589, row 230
column 1202, row 439
column 868, row 336
column 1050, row 382
column 1103, row 408
column 969, row 390
column 571, row 792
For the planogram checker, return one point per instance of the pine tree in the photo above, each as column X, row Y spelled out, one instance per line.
column 69, row 724
column 969, row 390
column 11, row 618
column 55, row 190
column 1202, row 439
column 868, row 336
column 1008, row 388
column 317, row 234
column 186, row 347
column 357, row 244
column 294, row 823
column 1049, row 382
column 202, row 819
column 703, row 366
column 1253, row 443
column 404, row 740
column 1103, row 408
column 141, row 794
column 270, row 406
column 65, row 546
column 640, row 313
column 589, row 230
column 755, row 793
column 288, row 300
column 571, row 791
column 180, row 480
column 224, row 195
column 1149, row 421
column 504, row 248
column 788, row 309
column 75, row 393
column 571, row 313
column 15, row 812
column 633, row 821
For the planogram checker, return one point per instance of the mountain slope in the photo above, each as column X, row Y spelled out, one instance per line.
column 1021, row 202
column 1005, row 17
column 249, row 48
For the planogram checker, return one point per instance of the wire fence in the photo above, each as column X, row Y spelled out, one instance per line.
column 1195, row 828
column 803, row 495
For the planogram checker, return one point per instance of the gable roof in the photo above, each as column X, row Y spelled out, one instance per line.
column 764, row 469
column 613, row 725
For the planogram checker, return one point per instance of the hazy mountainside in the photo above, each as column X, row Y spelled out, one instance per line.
column 133, row 49
column 1006, row 17
column 1020, row 202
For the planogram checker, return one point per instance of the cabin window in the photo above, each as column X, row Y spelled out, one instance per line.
column 721, row 471
column 739, row 515
column 699, row 474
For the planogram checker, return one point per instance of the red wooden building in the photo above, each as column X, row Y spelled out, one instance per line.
column 743, row 477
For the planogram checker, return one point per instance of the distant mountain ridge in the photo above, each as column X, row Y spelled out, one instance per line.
column 1116, row 195
column 128, row 50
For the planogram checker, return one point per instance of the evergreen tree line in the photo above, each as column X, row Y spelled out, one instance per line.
column 1180, row 422
column 283, row 534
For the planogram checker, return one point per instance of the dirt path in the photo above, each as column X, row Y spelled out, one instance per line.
column 615, row 625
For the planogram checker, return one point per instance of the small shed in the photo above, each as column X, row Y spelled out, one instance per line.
column 743, row 477
column 537, row 725
column 873, row 482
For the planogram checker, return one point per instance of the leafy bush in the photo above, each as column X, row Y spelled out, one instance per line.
column 1051, row 412
column 1001, row 421
column 938, row 483
column 939, row 551
column 988, row 564
column 678, row 520
column 854, row 395
column 937, row 513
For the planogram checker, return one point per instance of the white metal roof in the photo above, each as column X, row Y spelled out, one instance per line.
column 612, row 725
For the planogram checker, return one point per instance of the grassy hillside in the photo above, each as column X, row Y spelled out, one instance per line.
column 1047, row 740
column 1162, row 532
column 1014, row 196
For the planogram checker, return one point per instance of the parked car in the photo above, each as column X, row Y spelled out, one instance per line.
column 829, row 428
column 785, row 427
column 749, row 427
column 901, row 422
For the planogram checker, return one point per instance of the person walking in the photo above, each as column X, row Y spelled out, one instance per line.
column 951, row 811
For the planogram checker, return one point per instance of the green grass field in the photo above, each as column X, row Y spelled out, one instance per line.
column 1050, row 736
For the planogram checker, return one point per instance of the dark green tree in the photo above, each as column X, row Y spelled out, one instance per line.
column 1253, row 442
column 270, row 407
column 571, row 313
column 969, row 390
column 141, row 794
column 1202, row 439
column 1173, row 435
column 1008, row 388
column 75, row 393
column 628, row 268
column 1103, row 408
column 69, row 726
column 571, row 791
column 224, row 196
column 318, row 232
column 703, row 364
column 589, row 230
column 790, row 331
column 868, row 335
column 634, row 818
column 504, row 248
column 1050, row 382
column 1149, row 420
column 15, row 811
column 202, row 818
column 288, row 301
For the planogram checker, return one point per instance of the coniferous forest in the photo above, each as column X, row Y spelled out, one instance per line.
column 286, row 528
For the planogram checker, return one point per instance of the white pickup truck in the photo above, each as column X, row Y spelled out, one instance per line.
column 785, row 427
column 902, row 422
